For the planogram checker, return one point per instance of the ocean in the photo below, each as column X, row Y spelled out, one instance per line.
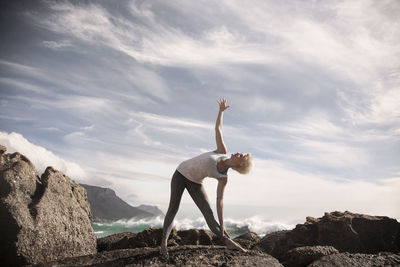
column 234, row 227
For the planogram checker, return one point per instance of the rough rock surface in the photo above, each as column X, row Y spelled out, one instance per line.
column 358, row 260
column 187, row 255
column 152, row 238
column 42, row 219
column 303, row 256
column 247, row 240
column 346, row 231
column 269, row 241
column 115, row 241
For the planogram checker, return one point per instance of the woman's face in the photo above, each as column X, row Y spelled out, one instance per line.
column 238, row 158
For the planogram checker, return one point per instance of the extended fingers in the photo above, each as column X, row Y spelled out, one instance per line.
column 221, row 101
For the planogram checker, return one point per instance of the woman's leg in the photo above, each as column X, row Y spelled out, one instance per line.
column 177, row 188
column 199, row 196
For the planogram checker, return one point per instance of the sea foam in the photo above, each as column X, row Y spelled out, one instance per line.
column 235, row 227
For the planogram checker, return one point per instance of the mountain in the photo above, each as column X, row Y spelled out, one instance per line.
column 106, row 206
column 152, row 209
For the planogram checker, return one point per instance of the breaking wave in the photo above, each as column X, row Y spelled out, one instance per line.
column 233, row 226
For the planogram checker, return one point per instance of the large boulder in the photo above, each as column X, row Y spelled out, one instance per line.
column 187, row 255
column 358, row 260
column 346, row 231
column 42, row 218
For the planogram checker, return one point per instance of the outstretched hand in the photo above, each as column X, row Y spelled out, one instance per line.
column 222, row 104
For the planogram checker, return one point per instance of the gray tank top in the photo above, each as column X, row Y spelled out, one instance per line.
column 204, row 165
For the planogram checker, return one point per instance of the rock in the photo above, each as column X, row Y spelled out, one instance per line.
column 303, row 256
column 247, row 240
column 188, row 255
column 269, row 241
column 346, row 231
column 3, row 149
column 147, row 238
column 358, row 260
column 115, row 241
column 106, row 206
column 152, row 238
column 42, row 219
column 197, row 237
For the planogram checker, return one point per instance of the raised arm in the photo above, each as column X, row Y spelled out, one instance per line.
column 221, row 148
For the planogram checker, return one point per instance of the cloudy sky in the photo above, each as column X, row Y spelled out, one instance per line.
column 118, row 93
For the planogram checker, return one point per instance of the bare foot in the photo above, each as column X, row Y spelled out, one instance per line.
column 230, row 244
column 164, row 251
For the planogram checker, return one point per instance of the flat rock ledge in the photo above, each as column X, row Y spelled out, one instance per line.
column 358, row 260
column 188, row 255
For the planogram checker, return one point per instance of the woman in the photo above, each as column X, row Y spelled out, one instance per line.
column 190, row 175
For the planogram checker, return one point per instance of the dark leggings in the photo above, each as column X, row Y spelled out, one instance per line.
column 197, row 192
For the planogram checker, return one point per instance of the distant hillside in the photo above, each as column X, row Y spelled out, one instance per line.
column 152, row 209
column 107, row 206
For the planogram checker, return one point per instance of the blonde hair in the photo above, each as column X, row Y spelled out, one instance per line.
column 245, row 166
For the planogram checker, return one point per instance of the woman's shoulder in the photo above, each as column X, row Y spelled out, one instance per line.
column 216, row 152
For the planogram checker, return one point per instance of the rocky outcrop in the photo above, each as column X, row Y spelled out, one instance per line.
column 106, row 206
column 115, row 241
column 303, row 256
column 147, row 238
column 358, row 260
column 346, row 231
column 152, row 238
column 197, row 237
column 247, row 240
column 269, row 241
column 187, row 255
column 42, row 218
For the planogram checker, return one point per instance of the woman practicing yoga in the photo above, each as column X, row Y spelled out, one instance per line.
column 190, row 174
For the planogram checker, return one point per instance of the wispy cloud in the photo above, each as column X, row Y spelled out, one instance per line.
column 20, row 68
column 124, row 87
column 40, row 156
column 57, row 45
column 80, row 104
column 263, row 33
column 153, row 42
column 172, row 121
column 11, row 84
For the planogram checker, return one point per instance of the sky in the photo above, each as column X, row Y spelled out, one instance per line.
column 118, row 93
